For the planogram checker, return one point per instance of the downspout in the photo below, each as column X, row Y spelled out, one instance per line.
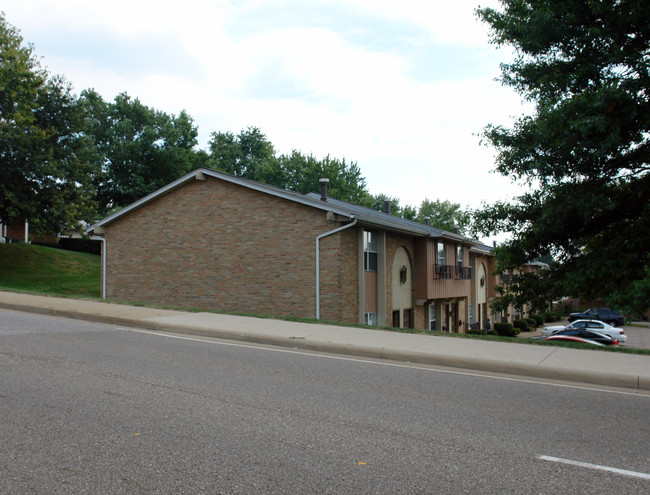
column 326, row 234
column 104, row 254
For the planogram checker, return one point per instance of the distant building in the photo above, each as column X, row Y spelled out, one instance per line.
column 19, row 232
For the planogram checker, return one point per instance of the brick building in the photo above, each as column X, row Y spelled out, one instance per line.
column 213, row 241
column 14, row 232
column 20, row 232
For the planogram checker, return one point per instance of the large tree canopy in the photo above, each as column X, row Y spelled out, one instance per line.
column 251, row 155
column 244, row 155
column 44, row 171
column 140, row 149
column 445, row 215
column 301, row 173
column 585, row 152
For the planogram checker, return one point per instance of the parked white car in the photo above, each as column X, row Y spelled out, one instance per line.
column 598, row 326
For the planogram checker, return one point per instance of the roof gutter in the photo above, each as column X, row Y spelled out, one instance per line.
column 326, row 234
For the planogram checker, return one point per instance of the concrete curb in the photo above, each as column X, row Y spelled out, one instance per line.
column 485, row 363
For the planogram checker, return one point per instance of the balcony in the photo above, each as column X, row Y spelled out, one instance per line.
column 443, row 272
column 463, row 273
column 508, row 278
column 451, row 272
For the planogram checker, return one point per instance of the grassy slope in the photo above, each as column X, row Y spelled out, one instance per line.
column 49, row 270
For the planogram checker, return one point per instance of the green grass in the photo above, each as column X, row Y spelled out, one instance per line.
column 47, row 270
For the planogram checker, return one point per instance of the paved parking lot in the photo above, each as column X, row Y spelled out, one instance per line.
column 638, row 334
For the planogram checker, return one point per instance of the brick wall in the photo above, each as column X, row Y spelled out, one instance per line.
column 217, row 245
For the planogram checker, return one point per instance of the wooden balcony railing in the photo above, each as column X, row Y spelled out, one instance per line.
column 463, row 273
column 508, row 278
column 451, row 272
column 443, row 272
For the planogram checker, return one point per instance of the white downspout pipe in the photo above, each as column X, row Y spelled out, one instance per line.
column 104, row 254
column 104, row 274
column 346, row 226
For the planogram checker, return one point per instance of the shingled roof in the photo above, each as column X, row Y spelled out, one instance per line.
column 365, row 216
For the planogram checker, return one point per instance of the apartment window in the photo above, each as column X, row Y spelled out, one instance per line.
column 396, row 319
column 441, row 254
column 459, row 256
column 432, row 317
column 371, row 319
column 370, row 251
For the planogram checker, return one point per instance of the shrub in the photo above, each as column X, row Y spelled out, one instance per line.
column 532, row 323
column 550, row 317
column 504, row 329
column 476, row 331
column 522, row 325
column 80, row 245
column 539, row 320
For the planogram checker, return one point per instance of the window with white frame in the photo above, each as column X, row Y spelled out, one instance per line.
column 371, row 319
column 441, row 254
column 459, row 256
column 370, row 251
column 432, row 317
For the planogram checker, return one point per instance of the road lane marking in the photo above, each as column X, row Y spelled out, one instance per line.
column 598, row 467
column 381, row 363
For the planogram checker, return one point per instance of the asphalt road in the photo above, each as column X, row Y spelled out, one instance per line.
column 97, row 409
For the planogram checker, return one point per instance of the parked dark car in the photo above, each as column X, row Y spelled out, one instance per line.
column 613, row 318
column 601, row 338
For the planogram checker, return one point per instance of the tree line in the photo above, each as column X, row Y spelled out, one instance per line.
column 69, row 159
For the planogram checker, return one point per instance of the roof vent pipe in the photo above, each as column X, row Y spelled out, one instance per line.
column 426, row 220
column 323, row 188
column 387, row 207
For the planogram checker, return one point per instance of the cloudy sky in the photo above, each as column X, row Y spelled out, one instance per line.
column 402, row 88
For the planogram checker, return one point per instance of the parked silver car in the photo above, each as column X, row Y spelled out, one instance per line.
column 598, row 326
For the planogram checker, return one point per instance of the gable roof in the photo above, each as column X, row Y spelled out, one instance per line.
column 375, row 218
column 365, row 216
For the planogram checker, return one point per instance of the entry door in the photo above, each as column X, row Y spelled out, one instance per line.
column 454, row 317
column 445, row 320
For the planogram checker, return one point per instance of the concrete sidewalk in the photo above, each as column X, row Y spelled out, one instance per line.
column 589, row 366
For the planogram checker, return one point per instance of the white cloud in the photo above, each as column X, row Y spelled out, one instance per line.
column 308, row 85
column 445, row 21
